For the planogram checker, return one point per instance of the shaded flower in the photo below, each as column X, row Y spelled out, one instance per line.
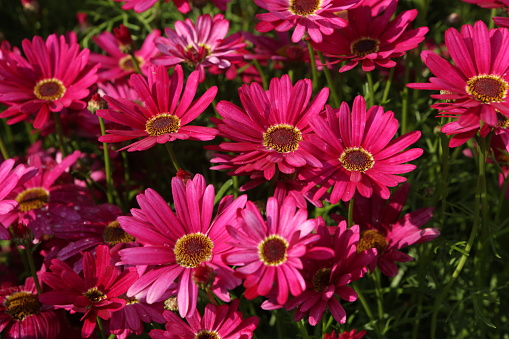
column 166, row 113
column 142, row 5
column 53, row 77
column 218, row 322
column 358, row 152
column 372, row 40
column 180, row 243
column 353, row 334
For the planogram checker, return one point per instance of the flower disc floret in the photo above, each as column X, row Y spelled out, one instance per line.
column 193, row 249
column 356, row 159
column 364, row 46
column 371, row 239
column 304, row 7
column 20, row 305
column 282, row 138
column 272, row 250
column 321, row 279
column 32, row 198
column 487, row 88
column 204, row 334
column 95, row 295
column 49, row 89
column 162, row 124
column 126, row 63
column 113, row 234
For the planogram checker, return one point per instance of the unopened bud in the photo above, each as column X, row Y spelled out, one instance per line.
column 184, row 175
column 124, row 38
column 96, row 102
column 171, row 304
column 204, row 276
column 21, row 235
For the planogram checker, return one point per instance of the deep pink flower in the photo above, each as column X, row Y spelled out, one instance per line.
column 23, row 316
column 166, row 113
column 314, row 17
column 181, row 244
column 200, row 45
column 142, row 5
column 353, row 334
column 373, row 40
column 476, row 85
column 96, row 292
column 54, row 76
column 359, row 152
column 268, row 253
column 327, row 280
column 119, row 64
column 268, row 130
column 486, row 3
column 383, row 228
column 223, row 321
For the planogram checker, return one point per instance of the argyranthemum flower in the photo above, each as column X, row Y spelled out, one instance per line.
column 383, row 228
column 96, row 292
column 23, row 316
column 314, row 17
column 476, row 85
column 142, row 5
column 358, row 152
column 373, row 40
column 118, row 64
column 166, row 113
column 353, row 334
column 200, row 45
column 55, row 76
column 268, row 130
column 268, row 253
column 218, row 322
column 183, row 246
column 327, row 280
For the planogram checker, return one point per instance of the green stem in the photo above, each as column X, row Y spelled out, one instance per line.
column 136, row 64
column 60, row 133
column 334, row 95
column 444, row 176
column 404, row 98
column 302, row 328
column 3, row 149
column 364, row 302
column 101, row 331
column 314, row 73
column 350, row 213
column 173, row 158
column 371, row 89
column 107, row 165
column 379, row 294
column 388, row 86
column 262, row 74
column 33, row 271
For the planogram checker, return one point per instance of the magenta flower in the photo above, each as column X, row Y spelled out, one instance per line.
column 96, row 292
column 383, row 229
column 268, row 130
column 476, row 85
column 23, row 316
column 55, row 76
column 223, row 321
column 142, row 5
column 327, row 280
column 314, row 17
column 358, row 152
column 185, row 246
column 118, row 64
column 268, row 253
column 353, row 334
column 201, row 45
column 166, row 113
column 373, row 40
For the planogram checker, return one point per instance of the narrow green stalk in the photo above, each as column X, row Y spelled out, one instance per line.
column 379, row 294
column 492, row 14
column 314, row 73
column 101, row 331
column 262, row 74
column 388, row 86
column 371, row 89
column 444, row 177
column 173, row 158
column 333, row 94
column 136, row 64
column 3, row 149
column 107, row 165
column 350, row 213
column 404, row 98
column 364, row 302
column 235, row 180
column 302, row 328
column 112, row 336
column 33, row 271
column 60, row 133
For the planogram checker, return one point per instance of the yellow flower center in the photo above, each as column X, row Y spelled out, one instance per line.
column 304, row 7
column 49, row 89
column 162, row 124
column 282, row 138
column 21, row 305
column 487, row 88
column 126, row 63
column 204, row 334
column 364, row 46
column 32, row 198
column 272, row 250
column 193, row 249
column 356, row 159
column 371, row 239
column 113, row 234
column 94, row 295
column 321, row 279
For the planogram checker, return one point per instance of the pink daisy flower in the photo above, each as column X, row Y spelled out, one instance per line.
column 223, row 321
column 314, row 17
column 327, row 280
column 55, row 76
column 476, row 85
column 268, row 130
column 142, row 5
column 118, row 64
column 10, row 178
column 268, row 253
column 486, row 3
column 358, row 152
column 166, row 113
column 96, row 292
column 373, row 40
column 383, row 229
column 184, row 245
column 23, row 316
column 201, row 45
column 353, row 334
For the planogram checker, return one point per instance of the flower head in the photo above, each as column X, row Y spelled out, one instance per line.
column 53, row 77
column 166, row 113
column 142, row 5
